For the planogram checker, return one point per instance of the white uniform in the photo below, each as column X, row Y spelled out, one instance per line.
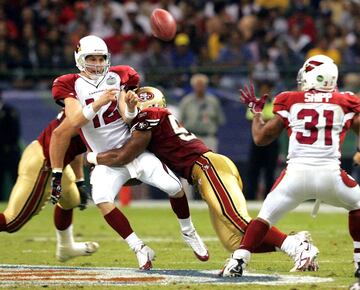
column 316, row 124
column 108, row 131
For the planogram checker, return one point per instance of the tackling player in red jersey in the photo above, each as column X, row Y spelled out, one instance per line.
column 32, row 191
column 215, row 175
column 316, row 118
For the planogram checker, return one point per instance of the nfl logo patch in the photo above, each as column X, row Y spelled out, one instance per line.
column 111, row 81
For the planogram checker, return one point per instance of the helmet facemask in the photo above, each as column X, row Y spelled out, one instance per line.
column 300, row 79
column 95, row 71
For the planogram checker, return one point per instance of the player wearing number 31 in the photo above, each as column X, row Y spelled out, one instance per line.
column 96, row 102
column 316, row 118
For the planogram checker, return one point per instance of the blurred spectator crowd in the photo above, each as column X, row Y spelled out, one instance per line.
column 229, row 40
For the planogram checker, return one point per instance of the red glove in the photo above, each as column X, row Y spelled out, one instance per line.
column 247, row 96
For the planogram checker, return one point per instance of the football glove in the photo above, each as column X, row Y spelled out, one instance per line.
column 56, row 187
column 84, row 194
column 247, row 96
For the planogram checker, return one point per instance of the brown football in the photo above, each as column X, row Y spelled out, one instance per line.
column 163, row 24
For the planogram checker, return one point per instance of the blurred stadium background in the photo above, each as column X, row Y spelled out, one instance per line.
column 230, row 41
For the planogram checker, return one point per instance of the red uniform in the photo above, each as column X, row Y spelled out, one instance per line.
column 76, row 146
column 215, row 176
column 32, row 189
column 170, row 142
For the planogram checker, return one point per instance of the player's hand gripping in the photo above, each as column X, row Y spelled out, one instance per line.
column 84, row 194
column 131, row 100
column 56, row 187
column 247, row 96
column 109, row 95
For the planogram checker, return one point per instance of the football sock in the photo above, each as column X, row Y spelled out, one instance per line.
column 118, row 221
column 275, row 237
column 354, row 222
column 254, row 235
column 62, row 218
column 289, row 245
column 2, row 222
column 65, row 237
column 186, row 225
column 134, row 242
column 180, row 207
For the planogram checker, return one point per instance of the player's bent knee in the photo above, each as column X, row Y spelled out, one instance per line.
column 179, row 194
column 105, row 207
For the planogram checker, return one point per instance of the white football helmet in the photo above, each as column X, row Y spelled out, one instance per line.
column 319, row 73
column 150, row 97
column 92, row 45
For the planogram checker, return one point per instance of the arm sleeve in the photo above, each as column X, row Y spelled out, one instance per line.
column 129, row 77
column 145, row 120
column 63, row 87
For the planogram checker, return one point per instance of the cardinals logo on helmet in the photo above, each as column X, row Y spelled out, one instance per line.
column 312, row 64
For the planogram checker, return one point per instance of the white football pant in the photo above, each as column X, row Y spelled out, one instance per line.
column 106, row 181
column 302, row 182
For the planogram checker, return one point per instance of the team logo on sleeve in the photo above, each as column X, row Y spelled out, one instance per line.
column 141, row 126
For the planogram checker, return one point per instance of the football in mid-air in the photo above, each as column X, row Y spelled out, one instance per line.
column 163, row 24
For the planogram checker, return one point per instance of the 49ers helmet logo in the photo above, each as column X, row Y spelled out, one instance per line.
column 145, row 96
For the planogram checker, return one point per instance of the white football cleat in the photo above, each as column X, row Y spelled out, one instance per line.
column 196, row 244
column 305, row 254
column 145, row 255
column 66, row 252
column 234, row 267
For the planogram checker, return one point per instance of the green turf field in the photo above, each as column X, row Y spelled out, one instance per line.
column 35, row 245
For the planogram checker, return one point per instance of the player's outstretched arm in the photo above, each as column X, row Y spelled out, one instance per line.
column 118, row 157
column 265, row 133
column 60, row 141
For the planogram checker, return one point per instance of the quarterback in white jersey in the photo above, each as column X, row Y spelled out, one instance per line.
column 95, row 101
column 316, row 119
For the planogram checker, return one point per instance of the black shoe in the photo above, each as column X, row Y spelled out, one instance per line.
column 238, row 270
column 357, row 271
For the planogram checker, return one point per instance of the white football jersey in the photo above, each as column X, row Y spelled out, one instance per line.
column 316, row 124
column 107, row 130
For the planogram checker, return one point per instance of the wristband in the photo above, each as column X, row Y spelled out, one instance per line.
column 130, row 115
column 89, row 112
column 91, row 158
